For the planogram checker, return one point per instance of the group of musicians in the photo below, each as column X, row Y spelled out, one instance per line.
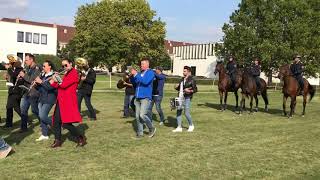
column 41, row 87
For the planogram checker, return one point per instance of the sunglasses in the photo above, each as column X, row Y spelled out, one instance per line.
column 65, row 65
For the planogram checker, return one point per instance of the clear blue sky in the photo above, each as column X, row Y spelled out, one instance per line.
column 187, row 20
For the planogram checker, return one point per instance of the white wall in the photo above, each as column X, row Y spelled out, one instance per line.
column 201, row 56
column 9, row 44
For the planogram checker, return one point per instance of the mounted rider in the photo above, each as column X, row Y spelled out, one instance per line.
column 297, row 69
column 255, row 71
column 231, row 70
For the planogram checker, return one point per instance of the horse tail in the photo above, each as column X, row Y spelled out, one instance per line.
column 312, row 91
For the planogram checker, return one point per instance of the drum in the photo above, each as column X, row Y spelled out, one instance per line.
column 176, row 103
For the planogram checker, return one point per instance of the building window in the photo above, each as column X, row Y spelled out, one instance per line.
column 20, row 36
column 43, row 39
column 36, row 37
column 20, row 55
column 193, row 70
column 28, row 37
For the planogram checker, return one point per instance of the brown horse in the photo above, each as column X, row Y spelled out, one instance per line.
column 225, row 84
column 249, row 88
column 291, row 89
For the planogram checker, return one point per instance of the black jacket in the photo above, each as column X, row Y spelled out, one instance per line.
column 13, row 73
column 190, row 83
column 87, row 85
column 231, row 67
column 255, row 70
column 48, row 94
column 296, row 69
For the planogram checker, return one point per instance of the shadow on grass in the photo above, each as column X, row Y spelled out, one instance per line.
column 81, row 128
column 86, row 112
column 171, row 122
column 235, row 110
column 14, row 136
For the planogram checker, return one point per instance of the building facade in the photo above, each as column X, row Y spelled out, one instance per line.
column 200, row 57
column 21, row 37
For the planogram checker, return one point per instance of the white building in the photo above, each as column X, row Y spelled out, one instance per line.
column 200, row 57
column 22, row 37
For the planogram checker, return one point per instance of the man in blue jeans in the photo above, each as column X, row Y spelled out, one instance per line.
column 186, row 88
column 143, row 83
column 30, row 98
column 157, row 93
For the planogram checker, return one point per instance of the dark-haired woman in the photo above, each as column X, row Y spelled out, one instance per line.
column 66, row 110
column 48, row 95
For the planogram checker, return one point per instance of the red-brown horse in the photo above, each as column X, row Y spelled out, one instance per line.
column 225, row 84
column 291, row 89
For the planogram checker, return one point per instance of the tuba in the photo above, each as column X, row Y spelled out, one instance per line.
column 82, row 66
column 13, row 59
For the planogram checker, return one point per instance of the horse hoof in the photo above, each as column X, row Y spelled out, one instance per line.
column 303, row 116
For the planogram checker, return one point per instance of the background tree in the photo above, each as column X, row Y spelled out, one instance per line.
column 118, row 32
column 274, row 31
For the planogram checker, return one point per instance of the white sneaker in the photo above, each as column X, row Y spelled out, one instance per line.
column 161, row 123
column 42, row 137
column 5, row 153
column 191, row 128
column 178, row 129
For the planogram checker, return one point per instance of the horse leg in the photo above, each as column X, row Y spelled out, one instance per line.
column 266, row 101
column 304, row 104
column 237, row 97
column 257, row 102
column 225, row 100
column 251, row 103
column 284, row 105
column 241, row 105
column 221, row 96
column 292, row 105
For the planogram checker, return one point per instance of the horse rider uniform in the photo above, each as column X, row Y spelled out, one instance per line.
column 231, row 71
column 297, row 69
column 255, row 71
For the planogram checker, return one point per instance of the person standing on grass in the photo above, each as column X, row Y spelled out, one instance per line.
column 48, row 97
column 66, row 111
column 187, row 87
column 129, row 96
column 87, row 81
column 143, row 83
column 157, row 93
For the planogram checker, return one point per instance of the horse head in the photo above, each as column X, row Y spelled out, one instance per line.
column 284, row 70
column 219, row 67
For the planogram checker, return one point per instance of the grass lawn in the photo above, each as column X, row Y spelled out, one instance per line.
column 224, row 145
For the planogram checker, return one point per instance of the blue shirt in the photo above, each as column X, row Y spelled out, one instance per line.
column 143, row 84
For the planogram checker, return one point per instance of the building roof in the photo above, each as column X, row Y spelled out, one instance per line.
column 64, row 33
column 170, row 44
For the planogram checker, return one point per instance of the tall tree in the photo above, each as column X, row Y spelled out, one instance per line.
column 274, row 30
column 119, row 31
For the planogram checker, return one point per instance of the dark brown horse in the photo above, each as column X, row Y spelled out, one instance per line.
column 249, row 89
column 225, row 84
column 291, row 89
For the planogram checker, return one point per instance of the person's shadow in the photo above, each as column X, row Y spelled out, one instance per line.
column 82, row 128
column 14, row 136
column 84, row 113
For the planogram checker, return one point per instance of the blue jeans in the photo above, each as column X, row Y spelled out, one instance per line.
column 3, row 145
column 26, row 102
column 126, row 104
column 142, row 115
column 44, row 110
column 156, row 100
column 186, row 105
column 87, row 100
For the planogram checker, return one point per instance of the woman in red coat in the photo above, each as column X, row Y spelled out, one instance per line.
column 66, row 110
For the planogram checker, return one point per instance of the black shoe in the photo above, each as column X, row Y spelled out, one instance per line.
column 82, row 141
column 22, row 130
column 258, row 92
column 301, row 93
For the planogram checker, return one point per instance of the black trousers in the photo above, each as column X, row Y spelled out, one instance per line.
column 257, row 79
column 87, row 100
column 13, row 103
column 57, row 123
column 233, row 79
column 300, row 81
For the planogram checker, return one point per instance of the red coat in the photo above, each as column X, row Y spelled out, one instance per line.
column 67, row 97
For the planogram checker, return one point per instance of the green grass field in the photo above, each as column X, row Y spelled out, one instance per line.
column 224, row 145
